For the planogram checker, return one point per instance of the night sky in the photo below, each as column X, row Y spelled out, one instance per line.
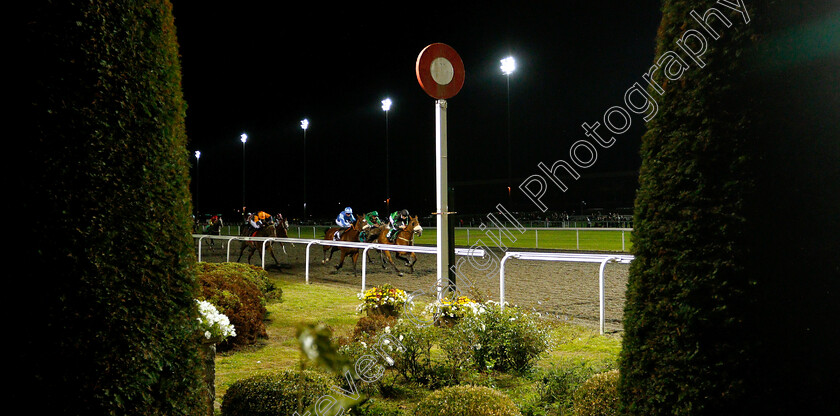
column 260, row 67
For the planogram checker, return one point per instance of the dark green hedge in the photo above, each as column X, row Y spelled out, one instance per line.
column 110, row 310
column 276, row 394
column 239, row 291
column 728, row 300
column 467, row 401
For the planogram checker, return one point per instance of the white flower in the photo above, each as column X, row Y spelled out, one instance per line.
column 387, row 329
column 214, row 322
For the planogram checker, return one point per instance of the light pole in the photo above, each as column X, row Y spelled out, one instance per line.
column 197, row 157
column 304, row 124
column 386, row 106
column 243, row 138
column 508, row 66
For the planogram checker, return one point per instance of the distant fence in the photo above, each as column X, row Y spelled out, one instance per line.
column 555, row 238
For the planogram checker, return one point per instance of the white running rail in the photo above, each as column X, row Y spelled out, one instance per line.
column 603, row 259
column 309, row 242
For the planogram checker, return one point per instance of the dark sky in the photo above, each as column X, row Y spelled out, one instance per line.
column 259, row 67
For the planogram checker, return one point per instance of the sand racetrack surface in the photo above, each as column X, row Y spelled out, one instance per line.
column 566, row 290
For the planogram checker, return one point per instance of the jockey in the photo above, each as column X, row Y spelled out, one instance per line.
column 257, row 221
column 372, row 218
column 398, row 219
column 344, row 220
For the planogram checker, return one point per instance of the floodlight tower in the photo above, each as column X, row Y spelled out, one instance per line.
column 386, row 106
column 508, row 66
column 197, row 157
column 304, row 124
column 243, row 138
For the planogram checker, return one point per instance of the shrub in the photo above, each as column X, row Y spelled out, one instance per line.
column 598, row 396
column 504, row 340
column 112, row 327
column 248, row 272
column 371, row 325
column 414, row 360
column 274, row 394
column 559, row 383
column 238, row 296
column 466, row 401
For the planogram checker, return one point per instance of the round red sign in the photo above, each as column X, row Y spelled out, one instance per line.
column 440, row 71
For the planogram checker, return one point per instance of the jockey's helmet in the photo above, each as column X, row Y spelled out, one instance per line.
column 404, row 213
column 348, row 211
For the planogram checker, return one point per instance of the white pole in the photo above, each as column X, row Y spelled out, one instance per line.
column 442, row 188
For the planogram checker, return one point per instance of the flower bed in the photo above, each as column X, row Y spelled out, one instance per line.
column 384, row 300
column 447, row 311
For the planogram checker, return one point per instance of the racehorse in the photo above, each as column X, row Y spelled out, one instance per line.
column 268, row 231
column 371, row 235
column 214, row 228
column 405, row 237
column 351, row 234
column 282, row 232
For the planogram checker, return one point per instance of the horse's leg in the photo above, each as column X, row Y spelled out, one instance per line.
column 391, row 260
column 328, row 250
column 413, row 262
column 356, row 258
column 241, row 250
column 340, row 260
column 271, row 250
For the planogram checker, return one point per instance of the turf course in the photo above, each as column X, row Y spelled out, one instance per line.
column 584, row 239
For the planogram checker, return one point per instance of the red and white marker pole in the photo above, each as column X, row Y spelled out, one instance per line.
column 440, row 73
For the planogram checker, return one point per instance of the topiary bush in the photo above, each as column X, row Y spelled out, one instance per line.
column 558, row 384
column 737, row 145
column 236, row 292
column 598, row 396
column 248, row 272
column 467, row 401
column 112, row 329
column 275, row 394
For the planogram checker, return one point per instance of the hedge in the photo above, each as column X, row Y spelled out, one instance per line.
column 467, row 401
column 726, row 312
column 275, row 394
column 111, row 315
column 240, row 292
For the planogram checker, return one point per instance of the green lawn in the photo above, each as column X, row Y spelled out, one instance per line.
column 594, row 239
column 336, row 306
